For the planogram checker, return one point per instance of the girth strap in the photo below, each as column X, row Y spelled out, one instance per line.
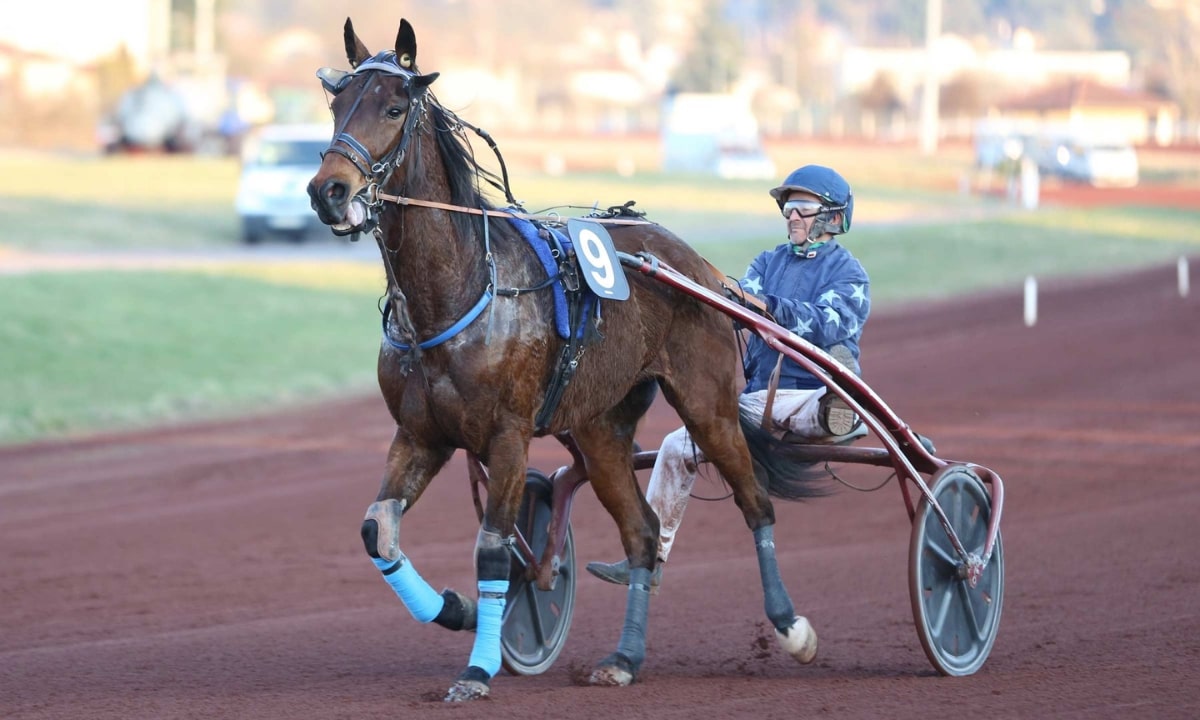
column 568, row 359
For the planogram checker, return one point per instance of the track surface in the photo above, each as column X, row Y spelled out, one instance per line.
column 216, row 571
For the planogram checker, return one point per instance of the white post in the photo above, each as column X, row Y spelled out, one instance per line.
column 1030, row 301
column 1181, row 270
column 929, row 95
column 1030, row 182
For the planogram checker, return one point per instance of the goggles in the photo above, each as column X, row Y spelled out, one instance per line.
column 806, row 208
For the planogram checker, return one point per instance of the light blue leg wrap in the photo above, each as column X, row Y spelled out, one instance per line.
column 485, row 654
column 637, row 609
column 421, row 600
column 780, row 610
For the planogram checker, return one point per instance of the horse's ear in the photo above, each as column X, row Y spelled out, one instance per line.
column 424, row 81
column 406, row 46
column 356, row 52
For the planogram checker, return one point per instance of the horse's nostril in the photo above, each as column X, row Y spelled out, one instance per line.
column 334, row 190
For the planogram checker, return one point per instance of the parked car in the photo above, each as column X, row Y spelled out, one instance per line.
column 272, row 197
column 1111, row 164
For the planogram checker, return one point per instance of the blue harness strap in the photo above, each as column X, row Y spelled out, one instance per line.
column 444, row 335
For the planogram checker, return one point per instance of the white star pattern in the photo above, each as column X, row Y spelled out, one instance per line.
column 831, row 316
column 859, row 295
column 803, row 327
column 753, row 284
column 829, row 296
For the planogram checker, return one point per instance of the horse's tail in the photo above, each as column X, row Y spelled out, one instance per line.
column 783, row 475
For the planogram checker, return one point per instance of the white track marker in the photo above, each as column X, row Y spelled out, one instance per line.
column 1181, row 269
column 1030, row 301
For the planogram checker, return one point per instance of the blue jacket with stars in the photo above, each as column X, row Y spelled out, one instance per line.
column 824, row 298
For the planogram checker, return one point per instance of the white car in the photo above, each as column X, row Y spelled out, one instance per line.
column 272, row 197
column 1113, row 164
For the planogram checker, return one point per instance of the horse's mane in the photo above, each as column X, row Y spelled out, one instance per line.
column 463, row 171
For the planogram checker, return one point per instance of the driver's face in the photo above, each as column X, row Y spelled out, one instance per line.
column 800, row 209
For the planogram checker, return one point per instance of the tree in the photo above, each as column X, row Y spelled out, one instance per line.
column 881, row 96
column 966, row 95
column 1165, row 42
column 713, row 61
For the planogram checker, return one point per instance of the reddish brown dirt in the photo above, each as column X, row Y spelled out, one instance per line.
column 1054, row 192
column 216, row 571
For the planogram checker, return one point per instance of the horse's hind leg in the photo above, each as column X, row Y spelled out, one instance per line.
column 715, row 427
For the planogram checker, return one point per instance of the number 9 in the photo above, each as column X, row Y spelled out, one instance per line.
column 597, row 255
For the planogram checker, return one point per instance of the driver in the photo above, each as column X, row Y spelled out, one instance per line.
column 812, row 286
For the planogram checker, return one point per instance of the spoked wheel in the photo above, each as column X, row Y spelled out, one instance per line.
column 957, row 623
column 536, row 621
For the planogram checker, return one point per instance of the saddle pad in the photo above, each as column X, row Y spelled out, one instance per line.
column 529, row 231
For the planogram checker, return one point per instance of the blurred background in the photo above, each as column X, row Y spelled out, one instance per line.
column 196, row 75
column 154, row 154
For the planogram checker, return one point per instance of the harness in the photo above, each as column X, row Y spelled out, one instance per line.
column 573, row 300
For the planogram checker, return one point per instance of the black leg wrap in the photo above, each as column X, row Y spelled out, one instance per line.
column 370, row 537
column 456, row 613
column 474, row 674
column 492, row 558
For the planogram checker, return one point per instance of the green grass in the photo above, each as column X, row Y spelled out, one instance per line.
column 57, row 203
column 53, row 225
column 84, row 351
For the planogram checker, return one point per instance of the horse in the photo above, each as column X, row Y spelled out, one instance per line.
column 465, row 364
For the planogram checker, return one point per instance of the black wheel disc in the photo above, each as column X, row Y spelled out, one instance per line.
column 536, row 622
column 956, row 623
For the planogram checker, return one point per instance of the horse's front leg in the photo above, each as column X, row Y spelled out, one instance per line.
column 506, row 457
column 607, row 446
column 410, row 467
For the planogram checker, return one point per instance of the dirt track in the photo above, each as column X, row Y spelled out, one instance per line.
column 216, row 570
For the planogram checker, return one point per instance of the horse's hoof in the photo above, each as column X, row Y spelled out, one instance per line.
column 799, row 640
column 616, row 670
column 467, row 690
column 381, row 528
column 610, row 677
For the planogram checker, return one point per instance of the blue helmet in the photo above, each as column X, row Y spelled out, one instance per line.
column 826, row 184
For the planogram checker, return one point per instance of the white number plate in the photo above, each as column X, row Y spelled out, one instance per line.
column 598, row 259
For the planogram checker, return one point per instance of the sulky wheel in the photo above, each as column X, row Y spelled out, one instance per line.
column 957, row 623
column 536, row 621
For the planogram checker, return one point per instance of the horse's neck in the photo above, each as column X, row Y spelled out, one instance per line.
column 441, row 274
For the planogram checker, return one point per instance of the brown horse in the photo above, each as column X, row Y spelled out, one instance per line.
column 465, row 364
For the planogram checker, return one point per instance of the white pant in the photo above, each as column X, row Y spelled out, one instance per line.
column 675, row 467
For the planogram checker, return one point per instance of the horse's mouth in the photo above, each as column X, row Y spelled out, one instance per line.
column 354, row 221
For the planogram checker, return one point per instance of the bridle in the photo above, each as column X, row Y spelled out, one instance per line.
column 375, row 172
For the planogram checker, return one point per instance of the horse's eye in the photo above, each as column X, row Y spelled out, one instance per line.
column 395, row 113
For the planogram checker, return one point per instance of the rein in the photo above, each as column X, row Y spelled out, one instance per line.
column 402, row 200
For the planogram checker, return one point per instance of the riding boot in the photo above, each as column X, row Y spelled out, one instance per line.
column 618, row 573
column 668, row 492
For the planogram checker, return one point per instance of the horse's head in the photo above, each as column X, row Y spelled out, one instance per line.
column 377, row 107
